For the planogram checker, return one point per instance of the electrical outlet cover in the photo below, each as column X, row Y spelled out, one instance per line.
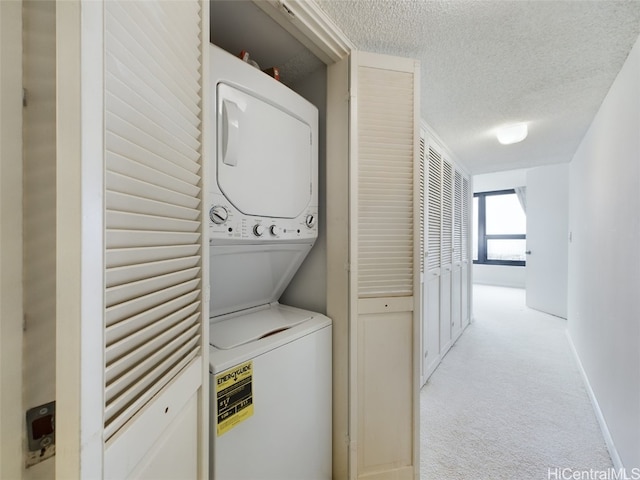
column 40, row 433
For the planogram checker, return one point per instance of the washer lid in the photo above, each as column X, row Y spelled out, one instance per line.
column 239, row 330
column 248, row 275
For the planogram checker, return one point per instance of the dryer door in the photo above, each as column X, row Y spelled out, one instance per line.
column 264, row 155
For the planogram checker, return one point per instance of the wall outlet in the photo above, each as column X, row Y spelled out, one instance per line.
column 41, row 435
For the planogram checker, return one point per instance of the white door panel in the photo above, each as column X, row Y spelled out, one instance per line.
column 156, row 438
column 431, row 326
column 176, row 453
column 445, row 311
column 547, row 239
column 456, row 302
column 466, row 317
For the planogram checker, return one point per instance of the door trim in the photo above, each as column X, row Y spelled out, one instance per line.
column 11, row 274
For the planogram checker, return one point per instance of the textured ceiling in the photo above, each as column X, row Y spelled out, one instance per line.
column 489, row 63
column 483, row 63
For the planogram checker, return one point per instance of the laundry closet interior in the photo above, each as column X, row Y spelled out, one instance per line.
column 270, row 363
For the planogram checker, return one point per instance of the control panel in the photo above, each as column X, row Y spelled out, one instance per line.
column 225, row 222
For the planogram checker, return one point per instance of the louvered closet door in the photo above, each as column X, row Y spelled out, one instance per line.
column 447, row 215
column 427, row 332
column 446, row 256
column 385, row 265
column 434, row 211
column 456, row 270
column 466, row 264
column 465, row 219
column 457, row 218
column 422, row 199
column 385, row 184
column 153, row 185
column 431, row 354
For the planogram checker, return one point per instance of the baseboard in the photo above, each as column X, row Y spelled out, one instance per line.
column 430, row 369
column 400, row 473
column 518, row 285
column 445, row 349
column 615, row 458
column 463, row 327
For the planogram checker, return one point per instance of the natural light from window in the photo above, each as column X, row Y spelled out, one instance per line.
column 499, row 228
column 505, row 215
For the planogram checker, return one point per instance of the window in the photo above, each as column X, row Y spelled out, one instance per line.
column 499, row 228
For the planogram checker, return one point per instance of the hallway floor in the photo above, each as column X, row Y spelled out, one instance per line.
column 507, row 401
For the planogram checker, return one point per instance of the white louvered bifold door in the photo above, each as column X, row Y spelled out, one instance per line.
column 456, row 272
column 153, row 188
column 466, row 263
column 465, row 219
column 423, row 222
column 385, row 264
column 447, row 213
column 446, row 256
column 457, row 218
column 433, row 258
column 385, row 179
column 434, row 209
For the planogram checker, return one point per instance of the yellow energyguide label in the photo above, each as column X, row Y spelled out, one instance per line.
column 234, row 396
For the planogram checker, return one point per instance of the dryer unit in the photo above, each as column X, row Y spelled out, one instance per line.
column 270, row 364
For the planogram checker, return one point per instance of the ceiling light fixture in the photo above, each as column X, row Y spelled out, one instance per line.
column 512, row 133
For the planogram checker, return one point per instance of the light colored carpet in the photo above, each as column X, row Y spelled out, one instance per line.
column 507, row 401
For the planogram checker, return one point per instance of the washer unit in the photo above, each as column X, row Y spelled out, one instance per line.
column 270, row 364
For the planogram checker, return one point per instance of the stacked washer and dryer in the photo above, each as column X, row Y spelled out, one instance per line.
column 270, row 364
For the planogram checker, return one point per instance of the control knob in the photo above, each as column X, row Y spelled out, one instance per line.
column 258, row 230
column 218, row 214
column 310, row 221
column 275, row 230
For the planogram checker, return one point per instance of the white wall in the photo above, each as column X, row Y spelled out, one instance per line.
column 604, row 259
column 308, row 288
column 500, row 180
column 500, row 275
